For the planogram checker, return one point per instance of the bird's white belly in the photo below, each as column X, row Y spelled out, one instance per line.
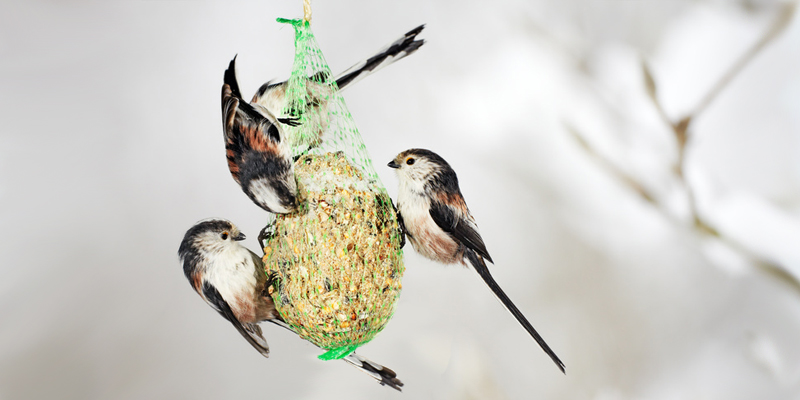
column 427, row 238
column 234, row 277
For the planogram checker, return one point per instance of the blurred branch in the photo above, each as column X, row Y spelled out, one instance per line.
column 652, row 92
column 767, row 266
column 785, row 14
column 700, row 225
column 682, row 132
column 607, row 164
column 778, row 273
column 681, row 127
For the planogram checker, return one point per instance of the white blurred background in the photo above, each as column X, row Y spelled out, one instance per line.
column 111, row 147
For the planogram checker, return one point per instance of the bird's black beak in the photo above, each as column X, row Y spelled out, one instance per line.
column 393, row 164
column 239, row 237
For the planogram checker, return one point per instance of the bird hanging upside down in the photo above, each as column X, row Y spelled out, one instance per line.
column 258, row 149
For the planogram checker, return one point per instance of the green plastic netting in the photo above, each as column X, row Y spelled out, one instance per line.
column 338, row 258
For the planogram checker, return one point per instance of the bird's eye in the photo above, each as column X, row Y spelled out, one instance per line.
column 410, row 161
column 224, row 235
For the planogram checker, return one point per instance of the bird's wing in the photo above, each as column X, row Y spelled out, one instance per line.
column 460, row 226
column 240, row 118
column 261, row 275
column 264, row 279
column 251, row 332
column 397, row 50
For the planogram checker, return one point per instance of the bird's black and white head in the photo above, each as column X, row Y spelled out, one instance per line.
column 209, row 240
column 416, row 167
column 269, row 182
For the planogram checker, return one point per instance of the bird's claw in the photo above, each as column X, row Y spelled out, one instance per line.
column 401, row 224
column 267, row 233
column 273, row 277
column 291, row 121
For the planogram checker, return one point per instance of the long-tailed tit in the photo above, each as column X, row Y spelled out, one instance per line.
column 440, row 226
column 258, row 157
column 272, row 96
column 231, row 279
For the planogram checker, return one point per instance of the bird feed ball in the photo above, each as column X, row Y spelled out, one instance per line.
column 337, row 260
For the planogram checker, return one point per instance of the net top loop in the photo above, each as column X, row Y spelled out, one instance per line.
column 307, row 11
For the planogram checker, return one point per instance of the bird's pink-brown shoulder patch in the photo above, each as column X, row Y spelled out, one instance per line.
column 197, row 282
column 454, row 200
column 243, row 308
column 258, row 140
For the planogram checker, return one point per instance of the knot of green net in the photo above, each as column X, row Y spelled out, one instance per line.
column 338, row 353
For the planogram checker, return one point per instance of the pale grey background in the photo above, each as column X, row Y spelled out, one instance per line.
column 111, row 147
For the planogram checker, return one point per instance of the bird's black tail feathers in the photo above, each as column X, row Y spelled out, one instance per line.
column 230, row 78
column 384, row 375
column 251, row 332
column 480, row 266
column 232, row 102
column 397, row 50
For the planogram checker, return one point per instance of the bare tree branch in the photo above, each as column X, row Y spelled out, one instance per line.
column 625, row 178
column 682, row 137
column 785, row 14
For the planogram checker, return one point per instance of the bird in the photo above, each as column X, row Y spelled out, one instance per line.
column 259, row 159
column 258, row 150
column 435, row 217
column 272, row 96
column 232, row 280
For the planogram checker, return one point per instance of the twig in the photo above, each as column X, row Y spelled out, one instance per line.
column 682, row 136
column 778, row 26
column 700, row 225
column 627, row 179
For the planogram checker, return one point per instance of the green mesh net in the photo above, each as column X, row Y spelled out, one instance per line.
column 338, row 259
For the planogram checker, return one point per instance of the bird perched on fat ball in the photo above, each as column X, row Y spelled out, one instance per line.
column 231, row 279
column 440, row 227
